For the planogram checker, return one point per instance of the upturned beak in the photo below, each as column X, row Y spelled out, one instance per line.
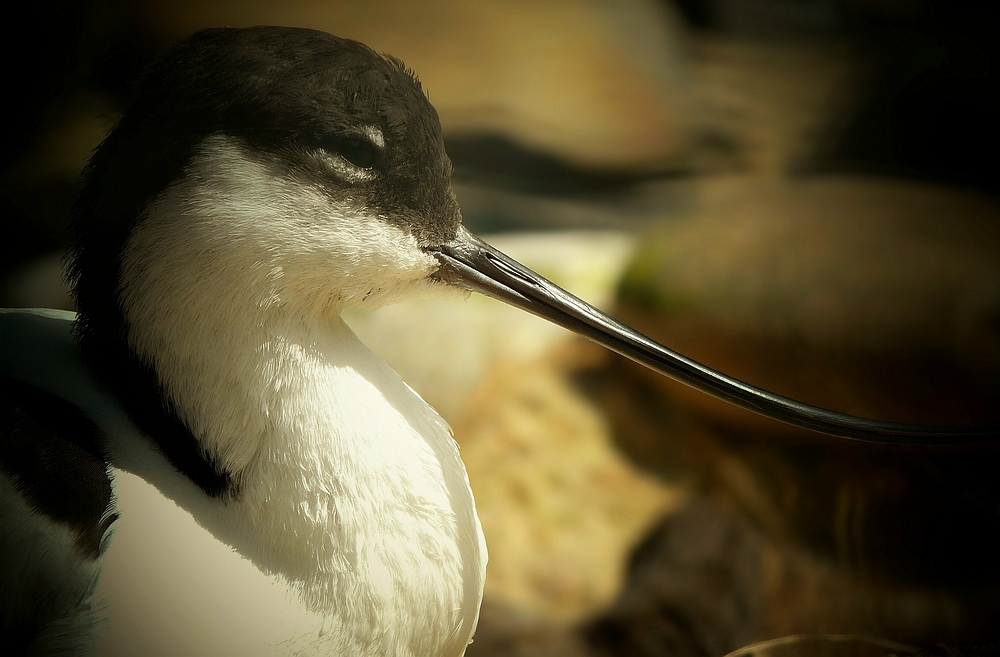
column 470, row 263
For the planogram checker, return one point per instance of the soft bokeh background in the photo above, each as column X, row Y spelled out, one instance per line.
column 801, row 193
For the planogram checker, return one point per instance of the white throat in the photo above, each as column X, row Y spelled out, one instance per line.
column 350, row 486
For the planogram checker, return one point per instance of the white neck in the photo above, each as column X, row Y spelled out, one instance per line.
column 369, row 479
column 350, row 486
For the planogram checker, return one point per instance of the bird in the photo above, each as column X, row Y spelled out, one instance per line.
column 260, row 182
column 204, row 458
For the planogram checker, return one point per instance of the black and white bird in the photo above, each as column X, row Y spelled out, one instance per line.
column 206, row 460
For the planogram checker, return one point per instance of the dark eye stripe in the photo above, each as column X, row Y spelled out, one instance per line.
column 359, row 152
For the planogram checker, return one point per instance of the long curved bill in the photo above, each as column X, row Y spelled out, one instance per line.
column 475, row 265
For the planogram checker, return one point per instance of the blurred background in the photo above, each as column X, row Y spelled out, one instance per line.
column 800, row 193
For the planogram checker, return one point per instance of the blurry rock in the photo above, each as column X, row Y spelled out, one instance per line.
column 37, row 284
column 795, row 285
column 773, row 98
column 825, row 645
column 706, row 582
column 38, row 192
column 38, row 188
column 491, row 209
column 68, row 133
column 42, row 181
column 506, row 632
column 965, row 649
column 560, row 506
column 874, row 297
column 597, row 83
column 695, row 586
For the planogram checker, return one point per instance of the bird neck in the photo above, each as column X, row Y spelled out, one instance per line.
column 350, row 486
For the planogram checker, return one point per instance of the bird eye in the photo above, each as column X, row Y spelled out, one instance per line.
column 359, row 152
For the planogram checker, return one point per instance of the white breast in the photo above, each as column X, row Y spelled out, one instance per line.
column 355, row 531
column 169, row 587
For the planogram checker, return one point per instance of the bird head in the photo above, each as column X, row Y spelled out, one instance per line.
column 286, row 167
